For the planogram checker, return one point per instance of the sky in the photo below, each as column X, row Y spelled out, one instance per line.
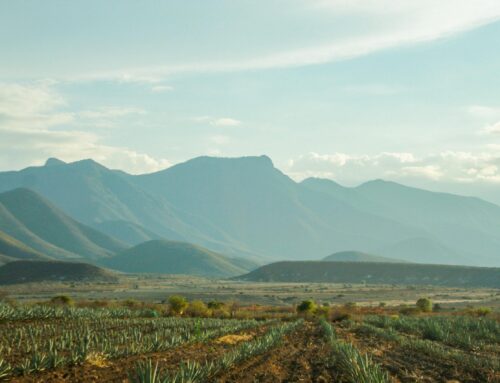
column 350, row 90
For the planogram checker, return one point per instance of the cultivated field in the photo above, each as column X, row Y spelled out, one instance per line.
column 193, row 342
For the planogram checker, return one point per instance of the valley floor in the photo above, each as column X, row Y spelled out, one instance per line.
column 159, row 288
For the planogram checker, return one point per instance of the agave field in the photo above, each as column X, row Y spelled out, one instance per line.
column 64, row 344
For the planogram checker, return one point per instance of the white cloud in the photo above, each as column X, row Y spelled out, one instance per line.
column 32, row 128
column 484, row 111
column 492, row 129
column 218, row 121
column 225, row 121
column 109, row 112
column 447, row 166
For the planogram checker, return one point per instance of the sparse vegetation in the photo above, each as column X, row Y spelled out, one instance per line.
column 183, row 340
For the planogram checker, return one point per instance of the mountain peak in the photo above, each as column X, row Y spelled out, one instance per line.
column 52, row 161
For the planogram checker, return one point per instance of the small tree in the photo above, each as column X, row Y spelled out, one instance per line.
column 424, row 305
column 177, row 304
column 306, row 307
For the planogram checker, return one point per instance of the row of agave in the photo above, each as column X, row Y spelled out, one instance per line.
column 21, row 337
column 26, row 312
column 351, row 364
column 193, row 372
column 435, row 350
column 32, row 351
column 464, row 332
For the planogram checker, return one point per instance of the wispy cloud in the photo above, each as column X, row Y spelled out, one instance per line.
column 161, row 88
column 33, row 127
column 218, row 121
column 394, row 24
column 492, row 129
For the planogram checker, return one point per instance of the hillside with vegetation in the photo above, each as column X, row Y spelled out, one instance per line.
column 11, row 249
column 53, row 271
column 38, row 224
column 171, row 257
column 376, row 273
column 358, row 256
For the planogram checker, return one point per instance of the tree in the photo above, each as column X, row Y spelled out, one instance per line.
column 177, row 304
column 424, row 305
column 306, row 307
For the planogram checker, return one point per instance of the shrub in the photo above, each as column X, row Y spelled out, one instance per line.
column 481, row 311
column 409, row 311
column 339, row 316
column 322, row 311
column 215, row 305
column 177, row 304
column 350, row 305
column 62, row 300
column 424, row 305
column 221, row 313
column 306, row 307
column 197, row 309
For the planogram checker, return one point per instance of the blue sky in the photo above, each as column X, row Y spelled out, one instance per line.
column 348, row 90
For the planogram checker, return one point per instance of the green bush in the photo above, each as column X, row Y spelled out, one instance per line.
column 424, row 305
column 177, row 304
column 306, row 307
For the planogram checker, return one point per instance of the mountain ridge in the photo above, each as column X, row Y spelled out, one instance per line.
column 246, row 207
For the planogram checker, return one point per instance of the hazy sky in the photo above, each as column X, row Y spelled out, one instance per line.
column 346, row 89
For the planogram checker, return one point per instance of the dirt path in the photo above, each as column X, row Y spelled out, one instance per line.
column 302, row 357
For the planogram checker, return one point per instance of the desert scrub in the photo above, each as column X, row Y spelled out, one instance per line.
column 354, row 366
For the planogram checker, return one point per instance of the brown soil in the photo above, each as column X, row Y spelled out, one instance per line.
column 405, row 366
column 116, row 371
column 301, row 357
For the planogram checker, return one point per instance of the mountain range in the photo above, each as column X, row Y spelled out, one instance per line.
column 34, row 233
column 245, row 207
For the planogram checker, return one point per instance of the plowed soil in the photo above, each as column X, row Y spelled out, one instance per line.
column 301, row 357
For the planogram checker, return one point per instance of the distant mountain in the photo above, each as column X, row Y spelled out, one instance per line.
column 246, row 207
column 11, row 249
column 376, row 273
column 44, row 228
column 424, row 250
column 115, row 201
column 53, row 271
column 258, row 208
column 126, row 231
column 170, row 257
column 358, row 256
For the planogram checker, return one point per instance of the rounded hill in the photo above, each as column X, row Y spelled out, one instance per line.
column 52, row 271
column 172, row 257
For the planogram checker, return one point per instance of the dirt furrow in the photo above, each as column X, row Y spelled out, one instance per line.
column 301, row 357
